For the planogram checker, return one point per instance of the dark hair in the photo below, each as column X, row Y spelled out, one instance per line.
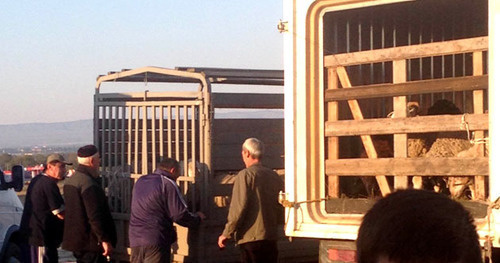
column 168, row 163
column 418, row 226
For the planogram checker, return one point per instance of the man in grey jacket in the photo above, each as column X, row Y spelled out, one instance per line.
column 254, row 212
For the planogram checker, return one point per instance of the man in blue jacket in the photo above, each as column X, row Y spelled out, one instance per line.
column 156, row 204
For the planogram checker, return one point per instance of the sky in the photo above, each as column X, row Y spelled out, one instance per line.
column 51, row 52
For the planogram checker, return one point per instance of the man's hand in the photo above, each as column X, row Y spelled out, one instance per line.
column 108, row 248
column 201, row 215
column 222, row 241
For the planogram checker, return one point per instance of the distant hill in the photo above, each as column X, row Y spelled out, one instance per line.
column 77, row 133
column 46, row 134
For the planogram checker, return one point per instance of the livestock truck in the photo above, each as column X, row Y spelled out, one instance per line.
column 383, row 95
column 199, row 116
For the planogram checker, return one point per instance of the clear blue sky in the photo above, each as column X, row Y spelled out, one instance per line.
column 52, row 51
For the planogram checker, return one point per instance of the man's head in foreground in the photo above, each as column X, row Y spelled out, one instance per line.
column 416, row 226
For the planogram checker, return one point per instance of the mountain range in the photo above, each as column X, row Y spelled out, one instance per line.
column 46, row 134
column 74, row 133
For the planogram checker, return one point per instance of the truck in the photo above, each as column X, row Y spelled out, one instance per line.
column 11, row 211
column 382, row 95
column 201, row 117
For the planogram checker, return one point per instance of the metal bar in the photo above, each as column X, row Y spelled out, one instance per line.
column 136, row 144
column 193, row 156
column 116, row 118
column 129, row 143
column 204, row 172
column 173, row 95
column 103, row 138
column 144, row 151
column 153, row 138
column 95, row 122
column 169, row 128
column 185, row 144
column 162, row 138
column 146, row 103
column 177, row 136
column 110, row 176
column 167, row 75
column 236, row 73
column 122, row 155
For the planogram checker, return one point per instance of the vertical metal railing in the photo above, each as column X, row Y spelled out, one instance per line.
column 134, row 136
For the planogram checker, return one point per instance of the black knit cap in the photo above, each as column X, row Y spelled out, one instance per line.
column 87, row 150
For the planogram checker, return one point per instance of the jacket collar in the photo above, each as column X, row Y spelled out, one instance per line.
column 164, row 173
column 87, row 170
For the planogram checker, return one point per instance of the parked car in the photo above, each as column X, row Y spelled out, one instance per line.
column 11, row 210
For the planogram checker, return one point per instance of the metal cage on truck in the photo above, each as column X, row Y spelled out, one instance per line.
column 353, row 69
column 133, row 130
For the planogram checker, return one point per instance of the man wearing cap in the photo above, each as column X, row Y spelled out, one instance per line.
column 42, row 220
column 89, row 229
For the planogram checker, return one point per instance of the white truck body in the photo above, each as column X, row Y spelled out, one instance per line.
column 308, row 65
column 11, row 210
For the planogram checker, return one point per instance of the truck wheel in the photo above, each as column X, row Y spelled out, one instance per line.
column 12, row 253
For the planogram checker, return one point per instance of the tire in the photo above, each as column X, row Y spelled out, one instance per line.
column 12, row 253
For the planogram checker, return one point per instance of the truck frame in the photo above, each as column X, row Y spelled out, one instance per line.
column 178, row 119
column 349, row 65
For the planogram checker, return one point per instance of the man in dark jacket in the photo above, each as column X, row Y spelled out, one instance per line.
column 89, row 229
column 42, row 220
column 156, row 204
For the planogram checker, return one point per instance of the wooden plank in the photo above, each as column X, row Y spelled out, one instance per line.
column 445, row 166
column 409, row 88
column 333, row 142
column 419, row 124
column 367, row 140
column 478, row 97
column 408, row 52
column 399, row 104
column 247, row 101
